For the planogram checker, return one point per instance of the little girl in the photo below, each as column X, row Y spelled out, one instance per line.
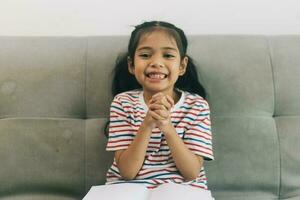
column 159, row 123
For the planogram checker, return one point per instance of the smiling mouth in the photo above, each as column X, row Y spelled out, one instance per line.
column 156, row 76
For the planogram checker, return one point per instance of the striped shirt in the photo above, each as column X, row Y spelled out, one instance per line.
column 191, row 118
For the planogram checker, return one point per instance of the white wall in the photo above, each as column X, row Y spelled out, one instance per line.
column 107, row 17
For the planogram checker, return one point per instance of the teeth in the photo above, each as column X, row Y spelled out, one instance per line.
column 157, row 76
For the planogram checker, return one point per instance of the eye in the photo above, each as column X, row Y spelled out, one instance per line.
column 144, row 55
column 168, row 55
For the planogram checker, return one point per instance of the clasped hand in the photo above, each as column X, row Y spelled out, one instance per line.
column 160, row 110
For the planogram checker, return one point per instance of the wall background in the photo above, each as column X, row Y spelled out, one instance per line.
column 116, row 17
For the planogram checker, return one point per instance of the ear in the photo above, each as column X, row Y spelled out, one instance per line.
column 130, row 65
column 183, row 65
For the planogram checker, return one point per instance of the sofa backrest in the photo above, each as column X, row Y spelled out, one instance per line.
column 55, row 98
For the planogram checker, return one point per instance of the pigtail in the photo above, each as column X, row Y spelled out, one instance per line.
column 122, row 79
column 189, row 81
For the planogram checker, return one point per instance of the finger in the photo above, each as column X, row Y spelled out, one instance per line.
column 163, row 113
column 155, row 116
column 157, row 107
column 157, row 96
column 166, row 103
column 170, row 100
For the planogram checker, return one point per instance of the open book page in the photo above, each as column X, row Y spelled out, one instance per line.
column 124, row 191
column 179, row 192
column 132, row 191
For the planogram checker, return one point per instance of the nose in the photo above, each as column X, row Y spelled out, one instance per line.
column 156, row 61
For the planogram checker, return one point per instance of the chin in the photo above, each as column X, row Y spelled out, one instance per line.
column 156, row 90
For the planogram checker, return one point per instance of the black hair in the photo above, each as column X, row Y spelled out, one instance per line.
column 124, row 81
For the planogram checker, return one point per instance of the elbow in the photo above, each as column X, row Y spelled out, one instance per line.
column 127, row 172
column 128, row 175
column 192, row 175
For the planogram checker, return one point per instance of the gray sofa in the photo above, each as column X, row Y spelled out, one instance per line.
column 55, row 98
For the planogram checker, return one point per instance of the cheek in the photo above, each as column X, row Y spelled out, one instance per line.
column 139, row 71
column 175, row 70
column 138, row 65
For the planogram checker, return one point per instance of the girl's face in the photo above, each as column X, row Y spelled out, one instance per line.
column 157, row 63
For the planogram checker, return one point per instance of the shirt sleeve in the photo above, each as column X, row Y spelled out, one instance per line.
column 198, row 137
column 120, row 133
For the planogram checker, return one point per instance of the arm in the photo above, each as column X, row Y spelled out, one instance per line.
column 188, row 163
column 130, row 160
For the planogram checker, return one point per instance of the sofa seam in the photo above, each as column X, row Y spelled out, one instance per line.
column 85, row 127
column 65, row 117
column 69, row 117
column 270, row 53
column 86, row 76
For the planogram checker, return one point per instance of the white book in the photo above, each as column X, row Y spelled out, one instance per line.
column 132, row 191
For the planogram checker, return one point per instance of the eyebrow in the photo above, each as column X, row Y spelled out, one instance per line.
column 149, row 48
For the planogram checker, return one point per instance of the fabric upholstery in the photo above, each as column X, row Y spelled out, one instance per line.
column 55, row 98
